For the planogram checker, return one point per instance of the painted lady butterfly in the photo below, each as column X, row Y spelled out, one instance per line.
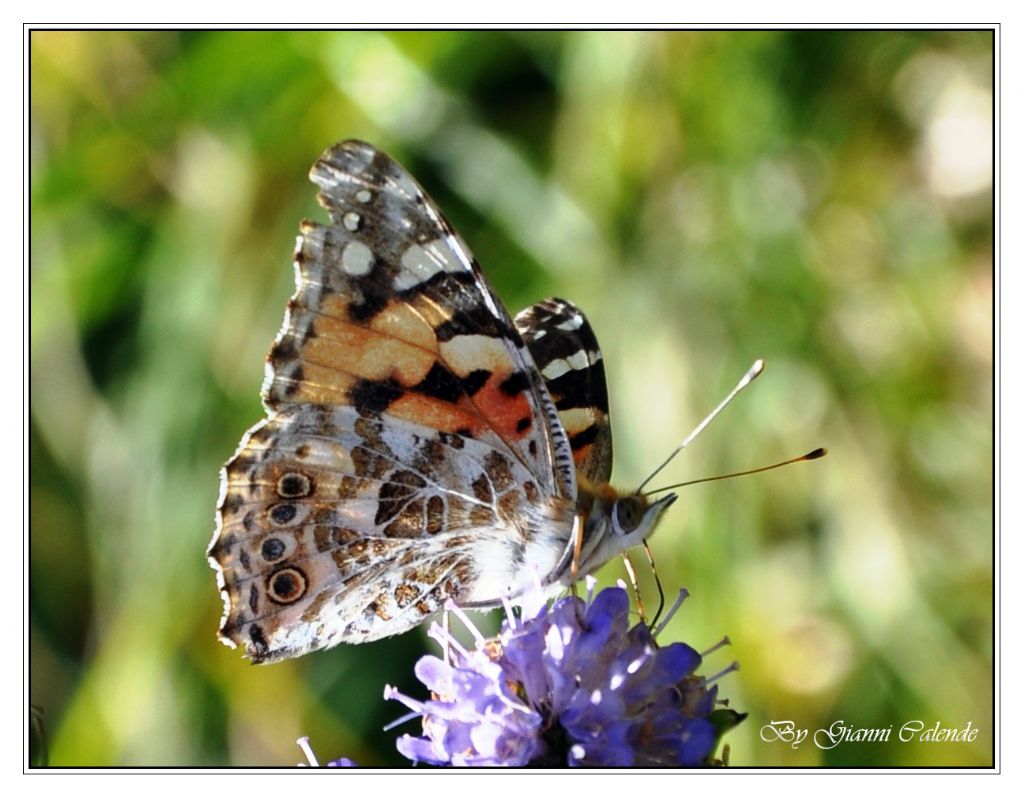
column 420, row 444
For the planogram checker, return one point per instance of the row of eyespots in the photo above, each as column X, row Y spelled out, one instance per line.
column 286, row 585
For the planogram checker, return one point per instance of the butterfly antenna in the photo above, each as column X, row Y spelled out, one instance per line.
column 748, row 378
column 814, row 455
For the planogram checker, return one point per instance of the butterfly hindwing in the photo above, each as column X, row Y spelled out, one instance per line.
column 339, row 528
column 569, row 358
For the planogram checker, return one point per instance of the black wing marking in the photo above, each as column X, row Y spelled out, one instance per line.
column 566, row 351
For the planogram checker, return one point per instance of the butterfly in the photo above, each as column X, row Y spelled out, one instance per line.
column 420, row 444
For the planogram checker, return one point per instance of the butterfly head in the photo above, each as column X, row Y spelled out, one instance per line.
column 614, row 522
column 632, row 517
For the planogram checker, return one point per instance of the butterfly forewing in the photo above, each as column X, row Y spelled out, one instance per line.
column 392, row 314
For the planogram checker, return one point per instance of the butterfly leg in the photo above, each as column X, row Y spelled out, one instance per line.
column 577, row 550
column 633, row 583
column 657, row 582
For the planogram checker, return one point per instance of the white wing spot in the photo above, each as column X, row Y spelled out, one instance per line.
column 465, row 353
column 419, row 264
column 578, row 360
column 363, row 195
column 356, row 258
column 555, row 369
column 575, row 362
column 351, row 221
column 417, row 267
column 572, row 323
column 578, row 417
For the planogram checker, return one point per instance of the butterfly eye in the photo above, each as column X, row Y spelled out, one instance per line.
column 629, row 512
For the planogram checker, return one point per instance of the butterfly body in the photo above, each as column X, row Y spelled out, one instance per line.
column 420, row 444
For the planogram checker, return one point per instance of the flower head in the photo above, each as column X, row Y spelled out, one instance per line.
column 572, row 684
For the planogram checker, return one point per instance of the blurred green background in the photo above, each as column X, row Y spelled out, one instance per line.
column 820, row 199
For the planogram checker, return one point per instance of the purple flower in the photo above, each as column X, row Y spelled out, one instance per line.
column 569, row 684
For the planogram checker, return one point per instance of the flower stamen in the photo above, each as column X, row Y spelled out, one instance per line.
column 307, row 749
column 725, row 641
column 680, row 598
column 734, row 666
